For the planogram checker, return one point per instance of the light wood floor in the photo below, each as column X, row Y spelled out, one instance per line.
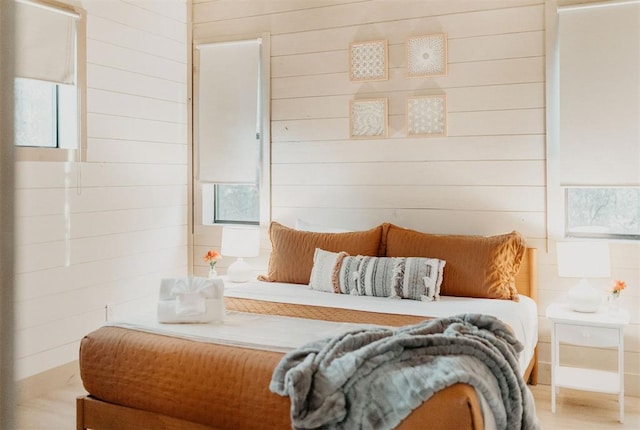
column 575, row 410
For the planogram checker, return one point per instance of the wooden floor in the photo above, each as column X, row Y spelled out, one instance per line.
column 576, row 410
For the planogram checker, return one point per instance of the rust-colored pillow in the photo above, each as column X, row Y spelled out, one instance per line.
column 477, row 266
column 292, row 251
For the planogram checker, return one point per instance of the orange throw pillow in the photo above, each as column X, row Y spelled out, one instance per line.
column 477, row 266
column 292, row 251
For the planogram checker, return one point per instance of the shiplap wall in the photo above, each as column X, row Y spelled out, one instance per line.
column 486, row 177
column 104, row 231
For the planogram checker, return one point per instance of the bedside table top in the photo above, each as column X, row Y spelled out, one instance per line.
column 561, row 312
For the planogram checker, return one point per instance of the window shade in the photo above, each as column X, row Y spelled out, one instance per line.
column 227, row 115
column 45, row 43
column 600, row 95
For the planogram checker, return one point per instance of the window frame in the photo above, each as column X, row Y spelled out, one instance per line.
column 31, row 153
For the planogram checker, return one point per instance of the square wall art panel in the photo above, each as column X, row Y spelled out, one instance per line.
column 368, row 61
column 427, row 55
column 368, row 119
column 427, row 116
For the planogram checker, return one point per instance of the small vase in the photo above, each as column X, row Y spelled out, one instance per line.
column 212, row 273
column 613, row 304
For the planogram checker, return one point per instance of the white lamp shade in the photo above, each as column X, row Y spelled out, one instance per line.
column 583, row 259
column 240, row 242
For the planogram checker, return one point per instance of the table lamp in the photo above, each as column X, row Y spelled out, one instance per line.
column 584, row 260
column 241, row 242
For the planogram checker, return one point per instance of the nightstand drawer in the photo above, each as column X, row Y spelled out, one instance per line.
column 587, row 335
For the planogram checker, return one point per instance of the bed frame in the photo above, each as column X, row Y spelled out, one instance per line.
column 92, row 413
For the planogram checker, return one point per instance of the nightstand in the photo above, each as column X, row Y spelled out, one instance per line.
column 597, row 329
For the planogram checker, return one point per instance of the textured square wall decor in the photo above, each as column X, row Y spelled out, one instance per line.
column 368, row 119
column 427, row 55
column 368, row 61
column 427, row 116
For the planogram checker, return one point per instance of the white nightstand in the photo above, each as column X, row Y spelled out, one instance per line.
column 597, row 329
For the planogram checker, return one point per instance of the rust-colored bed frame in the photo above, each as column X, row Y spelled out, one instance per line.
column 92, row 413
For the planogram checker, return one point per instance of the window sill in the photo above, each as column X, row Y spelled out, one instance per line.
column 23, row 153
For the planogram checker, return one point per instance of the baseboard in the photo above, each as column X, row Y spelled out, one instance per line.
column 37, row 385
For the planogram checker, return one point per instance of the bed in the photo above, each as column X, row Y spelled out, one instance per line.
column 142, row 375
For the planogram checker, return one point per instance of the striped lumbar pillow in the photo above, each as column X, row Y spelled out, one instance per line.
column 397, row 277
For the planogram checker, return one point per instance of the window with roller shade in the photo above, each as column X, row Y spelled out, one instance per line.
column 230, row 138
column 46, row 85
column 599, row 107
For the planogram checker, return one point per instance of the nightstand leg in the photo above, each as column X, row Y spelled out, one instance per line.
column 554, row 363
column 553, row 394
column 621, row 373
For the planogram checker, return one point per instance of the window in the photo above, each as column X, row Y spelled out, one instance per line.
column 232, row 152
column 48, row 74
column 36, row 113
column 236, row 204
column 603, row 213
column 45, row 114
column 598, row 144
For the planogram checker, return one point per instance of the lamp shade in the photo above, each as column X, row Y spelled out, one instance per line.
column 583, row 259
column 240, row 242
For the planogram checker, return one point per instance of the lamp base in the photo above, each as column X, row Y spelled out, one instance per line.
column 239, row 271
column 584, row 297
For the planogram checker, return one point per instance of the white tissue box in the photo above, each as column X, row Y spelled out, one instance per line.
column 191, row 300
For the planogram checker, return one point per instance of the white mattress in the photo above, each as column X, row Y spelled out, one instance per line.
column 521, row 316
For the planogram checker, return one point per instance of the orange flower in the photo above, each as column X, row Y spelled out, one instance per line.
column 212, row 257
column 618, row 286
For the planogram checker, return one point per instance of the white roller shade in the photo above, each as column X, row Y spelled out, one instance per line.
column 600, row 95
column 45, row 43
column 227, row 112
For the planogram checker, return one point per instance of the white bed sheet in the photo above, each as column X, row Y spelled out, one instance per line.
column 521, row 316
column 247, row 330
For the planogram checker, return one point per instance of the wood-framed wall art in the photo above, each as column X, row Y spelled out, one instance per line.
column 368, row 118
column 427, row 116
column 426, row 56
column 368, row 61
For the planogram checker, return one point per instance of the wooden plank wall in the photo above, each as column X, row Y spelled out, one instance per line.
column 103, row 232
column 459, row 184
column 486, row 177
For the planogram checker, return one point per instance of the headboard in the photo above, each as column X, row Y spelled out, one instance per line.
column 527, row 278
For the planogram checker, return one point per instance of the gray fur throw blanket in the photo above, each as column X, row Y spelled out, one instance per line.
column 374, row 378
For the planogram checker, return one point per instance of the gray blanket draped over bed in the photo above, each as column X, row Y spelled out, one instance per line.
column 374, row 378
